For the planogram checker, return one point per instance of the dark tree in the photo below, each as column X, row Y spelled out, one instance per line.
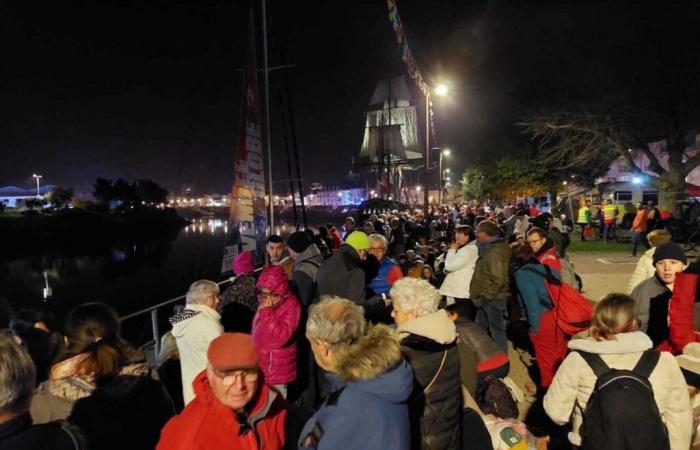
column 103, row 190
column 126, row 193
column 151, row 192
column 60, row 196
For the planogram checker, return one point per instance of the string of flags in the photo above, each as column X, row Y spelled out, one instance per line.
column 409, row 60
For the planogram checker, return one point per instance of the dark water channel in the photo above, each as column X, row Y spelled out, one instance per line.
column 128, row 277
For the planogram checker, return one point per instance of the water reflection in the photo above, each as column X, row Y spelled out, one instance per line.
column 210, row 226
column 128, row 276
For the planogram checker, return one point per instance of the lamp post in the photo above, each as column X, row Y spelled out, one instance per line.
column 440, row 90
column 444, row 152
column 37, row 184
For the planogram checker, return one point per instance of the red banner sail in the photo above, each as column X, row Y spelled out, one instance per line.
column 248, row 215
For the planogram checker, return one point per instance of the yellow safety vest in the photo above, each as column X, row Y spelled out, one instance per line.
column 609, row 212
column 584, row 214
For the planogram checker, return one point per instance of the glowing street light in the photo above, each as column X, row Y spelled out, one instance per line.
column 37, row 183
column 447, row 170
column 446, row 152
column 441, row 90
column 418, row 188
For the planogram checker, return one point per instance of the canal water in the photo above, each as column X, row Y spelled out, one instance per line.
column 127, row 277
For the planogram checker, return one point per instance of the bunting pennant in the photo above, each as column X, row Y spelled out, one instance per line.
column 406, row 55
column 409, row 60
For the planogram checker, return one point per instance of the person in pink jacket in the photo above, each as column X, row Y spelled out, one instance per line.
column 275, row 327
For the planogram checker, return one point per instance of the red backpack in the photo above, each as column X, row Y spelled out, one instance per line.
column 573, row 311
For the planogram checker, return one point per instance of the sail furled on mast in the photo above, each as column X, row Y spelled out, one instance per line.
column 391, row 130
column 248, row 215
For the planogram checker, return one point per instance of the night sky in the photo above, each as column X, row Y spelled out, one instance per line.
column 151, row 89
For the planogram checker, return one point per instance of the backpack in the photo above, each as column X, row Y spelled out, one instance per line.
column 621, row 413
column 568, row 275
column 573, row 311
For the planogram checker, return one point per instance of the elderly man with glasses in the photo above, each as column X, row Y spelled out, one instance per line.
column 233, row 408
column 389, row 270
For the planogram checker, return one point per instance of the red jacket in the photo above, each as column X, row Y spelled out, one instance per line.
column 335, row 239
column 550, row 258
column 206, row 423
column 681, row 326
column 274, row 329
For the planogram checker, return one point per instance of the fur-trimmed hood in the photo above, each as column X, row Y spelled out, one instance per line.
column 372, row 355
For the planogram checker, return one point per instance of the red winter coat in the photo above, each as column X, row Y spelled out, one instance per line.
column 206, row 423
column 274, row 329
column 335, row 238
column 550, row 258
column 681, row 312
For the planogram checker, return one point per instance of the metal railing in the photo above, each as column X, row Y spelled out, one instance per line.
column 153, row 310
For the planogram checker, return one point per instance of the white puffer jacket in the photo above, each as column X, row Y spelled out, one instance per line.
column 574, row 382
column 459, row 265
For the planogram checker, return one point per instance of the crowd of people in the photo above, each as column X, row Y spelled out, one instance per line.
column 465, row 329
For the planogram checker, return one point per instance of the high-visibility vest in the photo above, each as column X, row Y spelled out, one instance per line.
column 609, row 212
column 584, row 214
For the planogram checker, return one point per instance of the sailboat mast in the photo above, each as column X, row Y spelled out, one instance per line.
column 266, row 75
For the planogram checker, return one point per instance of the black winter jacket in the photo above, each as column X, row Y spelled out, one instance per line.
column 20, row 434
column 434, row 411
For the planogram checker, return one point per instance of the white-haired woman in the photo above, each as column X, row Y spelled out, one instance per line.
column 428, row 339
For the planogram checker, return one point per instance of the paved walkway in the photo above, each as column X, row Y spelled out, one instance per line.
column 603, row 272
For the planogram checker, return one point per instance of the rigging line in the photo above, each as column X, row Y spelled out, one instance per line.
column 287, row 153
column 285, row 138
column 295, row 147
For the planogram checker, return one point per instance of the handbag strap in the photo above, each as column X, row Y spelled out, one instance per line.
column 442, row 364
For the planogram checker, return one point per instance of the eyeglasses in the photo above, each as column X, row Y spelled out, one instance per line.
column 534, row 240
column 263, row 294
column 228, row 377
column 376, row 250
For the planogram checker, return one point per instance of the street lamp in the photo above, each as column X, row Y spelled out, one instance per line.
column 443, row 152
column 441, row 91
column 37, row 184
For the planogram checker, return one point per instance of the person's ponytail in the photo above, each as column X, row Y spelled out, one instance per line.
column 103, row 359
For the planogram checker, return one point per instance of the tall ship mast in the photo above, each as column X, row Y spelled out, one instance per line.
column 390, row 147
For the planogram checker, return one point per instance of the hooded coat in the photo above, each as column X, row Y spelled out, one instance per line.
column 369, row 412
column 342, row 275
column 428, row 344
column 304, row 274
column 573, row 384
column 207, row 424
column 275, row 328
column 194, row 328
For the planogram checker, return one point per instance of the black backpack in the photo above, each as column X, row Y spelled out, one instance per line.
column 621, row 413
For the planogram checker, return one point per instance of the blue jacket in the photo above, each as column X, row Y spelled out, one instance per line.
column 533, row 294
column 367, row 414
column 380, row 285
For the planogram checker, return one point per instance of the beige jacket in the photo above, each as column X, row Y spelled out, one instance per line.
column 574, row 382
column 643, row 270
